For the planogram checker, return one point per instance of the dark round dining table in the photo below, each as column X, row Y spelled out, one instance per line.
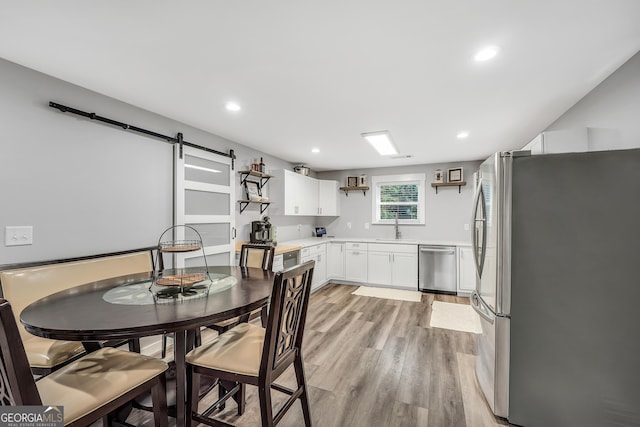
column 124, row 308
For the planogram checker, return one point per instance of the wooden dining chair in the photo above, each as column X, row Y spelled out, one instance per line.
column 256, row 256
column 88, row 389
column 250, row 354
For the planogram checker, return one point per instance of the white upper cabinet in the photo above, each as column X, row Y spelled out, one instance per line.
column 328, row 200
column 295, row 194
column 560, row 141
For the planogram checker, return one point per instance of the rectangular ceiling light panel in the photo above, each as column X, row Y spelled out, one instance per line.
column 381, row 141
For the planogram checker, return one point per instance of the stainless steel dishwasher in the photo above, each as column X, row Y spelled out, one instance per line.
column 437, row 269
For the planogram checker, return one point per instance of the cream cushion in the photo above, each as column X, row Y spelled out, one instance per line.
column 46, row 353
column 96, row 379
column 255, row 258
column 23, row 286
column 238, row 350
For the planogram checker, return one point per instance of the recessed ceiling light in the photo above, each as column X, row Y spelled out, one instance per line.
column 462, row 135
column 315, row 150
column 486, row 53
column 381, row 141
column 232, row 106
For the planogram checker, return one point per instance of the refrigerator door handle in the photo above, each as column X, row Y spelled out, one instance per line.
column 479, row 263
column 481, row 308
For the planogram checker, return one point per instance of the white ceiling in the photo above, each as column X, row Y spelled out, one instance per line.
column 319, row 73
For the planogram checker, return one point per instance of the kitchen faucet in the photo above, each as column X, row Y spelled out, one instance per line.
column 398, row 234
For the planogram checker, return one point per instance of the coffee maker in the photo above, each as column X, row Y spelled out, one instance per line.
column 261, row 231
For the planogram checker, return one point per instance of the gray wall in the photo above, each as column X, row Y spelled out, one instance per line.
column 611, row 111
column 87, row 187
column 446, row 212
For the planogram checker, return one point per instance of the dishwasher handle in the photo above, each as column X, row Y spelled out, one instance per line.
column 447, row 251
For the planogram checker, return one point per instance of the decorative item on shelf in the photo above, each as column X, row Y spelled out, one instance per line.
column 454, row 175
column 352, row 181
column 302, row 170
column 261, row 166
column 438, row 176
column 178, row 283
column 253, row 191
column 362, row 181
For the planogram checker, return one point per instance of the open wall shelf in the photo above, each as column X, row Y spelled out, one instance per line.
column 262, row 176
column 347, row 189
column 448, row 184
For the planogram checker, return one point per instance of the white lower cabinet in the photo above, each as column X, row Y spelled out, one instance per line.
column 466, row 271
column 404, row 270
column 393, row 265
column 335, row 260
column 379, row 271
column 356, row 262
column 317, row 253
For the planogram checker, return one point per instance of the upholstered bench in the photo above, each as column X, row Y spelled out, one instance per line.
column 22, row 284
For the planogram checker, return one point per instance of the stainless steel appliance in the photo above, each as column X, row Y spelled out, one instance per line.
column 556, row 243
column 261, row 231
column 290, row 259
column 437, row 271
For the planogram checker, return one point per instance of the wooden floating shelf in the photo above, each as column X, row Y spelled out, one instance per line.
column 245, row 203
column 264, row 177
column 448, row 184
column 347, row 189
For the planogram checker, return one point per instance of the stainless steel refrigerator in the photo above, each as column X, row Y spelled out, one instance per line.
column 556, row 240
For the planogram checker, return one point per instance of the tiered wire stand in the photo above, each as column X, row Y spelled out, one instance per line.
column 178, row 283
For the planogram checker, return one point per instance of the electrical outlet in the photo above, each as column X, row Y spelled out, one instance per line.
column 299, row 227
column 366, row 225
column 349, row 225
column 466, row 227
column 18, row 235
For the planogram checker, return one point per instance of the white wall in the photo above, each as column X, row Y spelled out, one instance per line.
column 446, row 212
column 611, row 111
column 87, row 187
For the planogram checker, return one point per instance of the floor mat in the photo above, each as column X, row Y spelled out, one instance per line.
column 397, row 294
column 459, row 317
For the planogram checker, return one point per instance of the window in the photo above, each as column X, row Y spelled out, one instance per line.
column 400, row 196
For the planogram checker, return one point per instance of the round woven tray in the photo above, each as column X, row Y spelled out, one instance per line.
column 180, row 279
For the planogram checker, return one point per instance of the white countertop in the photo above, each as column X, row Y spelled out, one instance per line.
column 312, row 241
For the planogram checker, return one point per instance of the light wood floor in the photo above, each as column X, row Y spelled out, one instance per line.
column 376, row 362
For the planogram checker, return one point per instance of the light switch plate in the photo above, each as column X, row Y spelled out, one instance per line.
column 18, row 235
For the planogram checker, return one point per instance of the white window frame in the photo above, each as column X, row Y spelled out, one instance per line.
column 378, row 181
